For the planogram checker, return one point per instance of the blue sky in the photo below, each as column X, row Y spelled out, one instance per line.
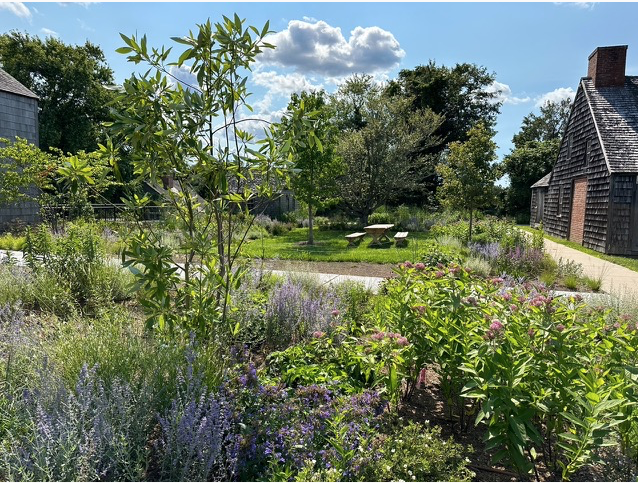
column 537, row 50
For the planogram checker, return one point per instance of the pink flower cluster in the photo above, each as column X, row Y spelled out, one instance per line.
column 400, row 340
column 470, row 301
column 496, row 329
column 335, row 312
column 408, row 264
column 420, row 309
column 317, row 334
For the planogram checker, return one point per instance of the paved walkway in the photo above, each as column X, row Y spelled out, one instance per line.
column 617, row 280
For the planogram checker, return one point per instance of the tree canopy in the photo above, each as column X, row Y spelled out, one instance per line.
column 70, row 82
column 461, row 95
column 379, row 156
column 535, row 151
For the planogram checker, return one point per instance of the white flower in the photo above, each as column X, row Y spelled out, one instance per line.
column 413, row 477
column 405, row 466
column 393, row 450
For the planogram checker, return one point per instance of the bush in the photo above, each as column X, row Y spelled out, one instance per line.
column 416, row 452
column 379, row 217
column 11, row 242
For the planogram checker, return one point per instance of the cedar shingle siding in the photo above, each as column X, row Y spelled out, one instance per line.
column 600, row 144
column 18, row 117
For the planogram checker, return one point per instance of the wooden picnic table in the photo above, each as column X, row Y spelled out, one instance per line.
column 378, row 232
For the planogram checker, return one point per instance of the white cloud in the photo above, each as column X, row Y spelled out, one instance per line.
column 16, row 8
column 320, row 48
column 85, row 26
column 556, row 95
column 49, row 32
column 504, row 94
column 309, row 19
column 284, row 84
column 581, row 5
column 184, row 75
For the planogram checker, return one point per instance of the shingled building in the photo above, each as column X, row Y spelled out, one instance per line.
column 18, row 117
column 590, row 196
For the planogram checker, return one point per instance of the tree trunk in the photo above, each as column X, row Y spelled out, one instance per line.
column 363, row 219
column 471, row 220
column 311, row 235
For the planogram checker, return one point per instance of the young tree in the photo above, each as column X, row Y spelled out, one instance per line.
column 377, row 157
column 535, row 151
column 315, row 166
column 193, row 133
column 71, row 82
column 469, row 173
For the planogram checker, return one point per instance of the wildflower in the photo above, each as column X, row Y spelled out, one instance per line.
column 507, row 296
column 407, row 264
column 560, row 327
column 419, row 266
column 402, row 341
column 439, row 274
column 335, row 312
column 513, row 308
column 419, row 308
column 439, row 265
column 531, row 332
column 496, row 325
column 317, row 334
column 421, row 379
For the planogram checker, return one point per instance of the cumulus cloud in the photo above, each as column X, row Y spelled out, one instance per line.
column 183, row 75
column 284, row 84
column 16, row 8
column 49, row 32
column 556, row 95
column 505, row 95
column 322, row 49
column 581, row 5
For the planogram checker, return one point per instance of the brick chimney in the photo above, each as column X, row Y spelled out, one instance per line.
column 607, row 66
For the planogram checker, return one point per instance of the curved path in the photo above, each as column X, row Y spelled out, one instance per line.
column 617, row 280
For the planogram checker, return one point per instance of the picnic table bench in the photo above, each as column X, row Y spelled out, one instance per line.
column 354, row 238
column 401, row 238
column 378, row 233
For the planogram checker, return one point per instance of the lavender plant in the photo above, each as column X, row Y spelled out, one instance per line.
column 293, row 313
column 88, row 433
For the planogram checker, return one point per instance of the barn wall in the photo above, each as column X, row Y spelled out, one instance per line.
column 19, row 117
column 571, row 164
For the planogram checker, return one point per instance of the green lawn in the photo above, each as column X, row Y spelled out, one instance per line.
column 630, row 263
column 331, row 246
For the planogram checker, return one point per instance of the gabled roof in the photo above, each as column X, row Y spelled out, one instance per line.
column 615, row 112
column 9, row 84
column 543, row 182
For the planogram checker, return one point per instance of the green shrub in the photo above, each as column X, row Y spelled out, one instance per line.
column 478, row 265
column 379, row 217
column 593, row 284
column 417, row 452
column 12, row 242
column 571, row 281
column 548, row 278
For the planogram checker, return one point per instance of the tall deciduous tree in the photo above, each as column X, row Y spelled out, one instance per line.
column 468, row 172
column 462, row 95
column 70, row 82
column 315, row 166
column 535, row 151
column 378, row 157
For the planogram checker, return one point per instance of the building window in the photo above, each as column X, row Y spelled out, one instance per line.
column 560, row 201
column 588, row 153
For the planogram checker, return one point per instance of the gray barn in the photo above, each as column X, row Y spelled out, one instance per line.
column 591, row 196
column 18, row 117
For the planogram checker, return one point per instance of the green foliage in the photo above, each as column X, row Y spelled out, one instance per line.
column 548, row 377
column 188, row 288
column 417, row 452
column 535, row 151
column 71, row 83
column 468, row 173
column 461, row 95
column 377, row 146
column 315, row 166
column 76, row 261
column 12, row 242
column 24, row 169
